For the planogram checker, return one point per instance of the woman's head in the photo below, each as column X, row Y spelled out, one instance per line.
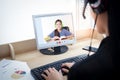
column 100, row 8
column 58, row 24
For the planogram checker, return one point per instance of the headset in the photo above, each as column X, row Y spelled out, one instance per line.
column 98, row 7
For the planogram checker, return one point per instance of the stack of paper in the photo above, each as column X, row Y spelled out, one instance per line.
column 14, row 70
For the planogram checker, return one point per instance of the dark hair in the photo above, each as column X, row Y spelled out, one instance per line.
column 114, row 29
column 56, row 31
column 58, row 20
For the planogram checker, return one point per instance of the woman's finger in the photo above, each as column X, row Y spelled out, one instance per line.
column 47, row 72
column 69, row 65
column 44, row 76
column 64, row 64
column 60, row 71
column 65, row 70
column 50, row 69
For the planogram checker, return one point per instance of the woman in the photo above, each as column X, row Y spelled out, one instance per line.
column 104, row 62
column 59, row 32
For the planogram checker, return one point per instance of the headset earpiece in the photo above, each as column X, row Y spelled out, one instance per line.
column 98, row 6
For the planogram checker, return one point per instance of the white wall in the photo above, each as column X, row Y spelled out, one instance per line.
column 16, row 16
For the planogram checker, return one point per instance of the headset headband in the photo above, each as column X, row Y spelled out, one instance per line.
column 98, row 6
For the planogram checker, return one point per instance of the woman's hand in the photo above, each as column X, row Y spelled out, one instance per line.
column 56, row 38
column 69, row 65
column 52, row 74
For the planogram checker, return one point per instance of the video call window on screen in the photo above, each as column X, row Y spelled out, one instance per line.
column 53, row 32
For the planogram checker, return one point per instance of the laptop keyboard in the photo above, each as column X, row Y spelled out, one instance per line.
column 36, row 72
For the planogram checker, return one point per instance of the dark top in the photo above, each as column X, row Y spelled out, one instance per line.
column 96, row 66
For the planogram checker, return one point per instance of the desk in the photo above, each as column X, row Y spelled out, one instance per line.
column 36, row 59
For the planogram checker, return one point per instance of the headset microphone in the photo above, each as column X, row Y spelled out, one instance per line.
column 94, row 4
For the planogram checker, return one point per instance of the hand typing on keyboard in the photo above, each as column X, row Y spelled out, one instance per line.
column 61, row 65
column 53, row 74
column 66, row 66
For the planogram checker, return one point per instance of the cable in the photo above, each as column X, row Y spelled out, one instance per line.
column 92, row 34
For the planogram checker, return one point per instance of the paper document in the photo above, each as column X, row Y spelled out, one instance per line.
column 14, row 70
